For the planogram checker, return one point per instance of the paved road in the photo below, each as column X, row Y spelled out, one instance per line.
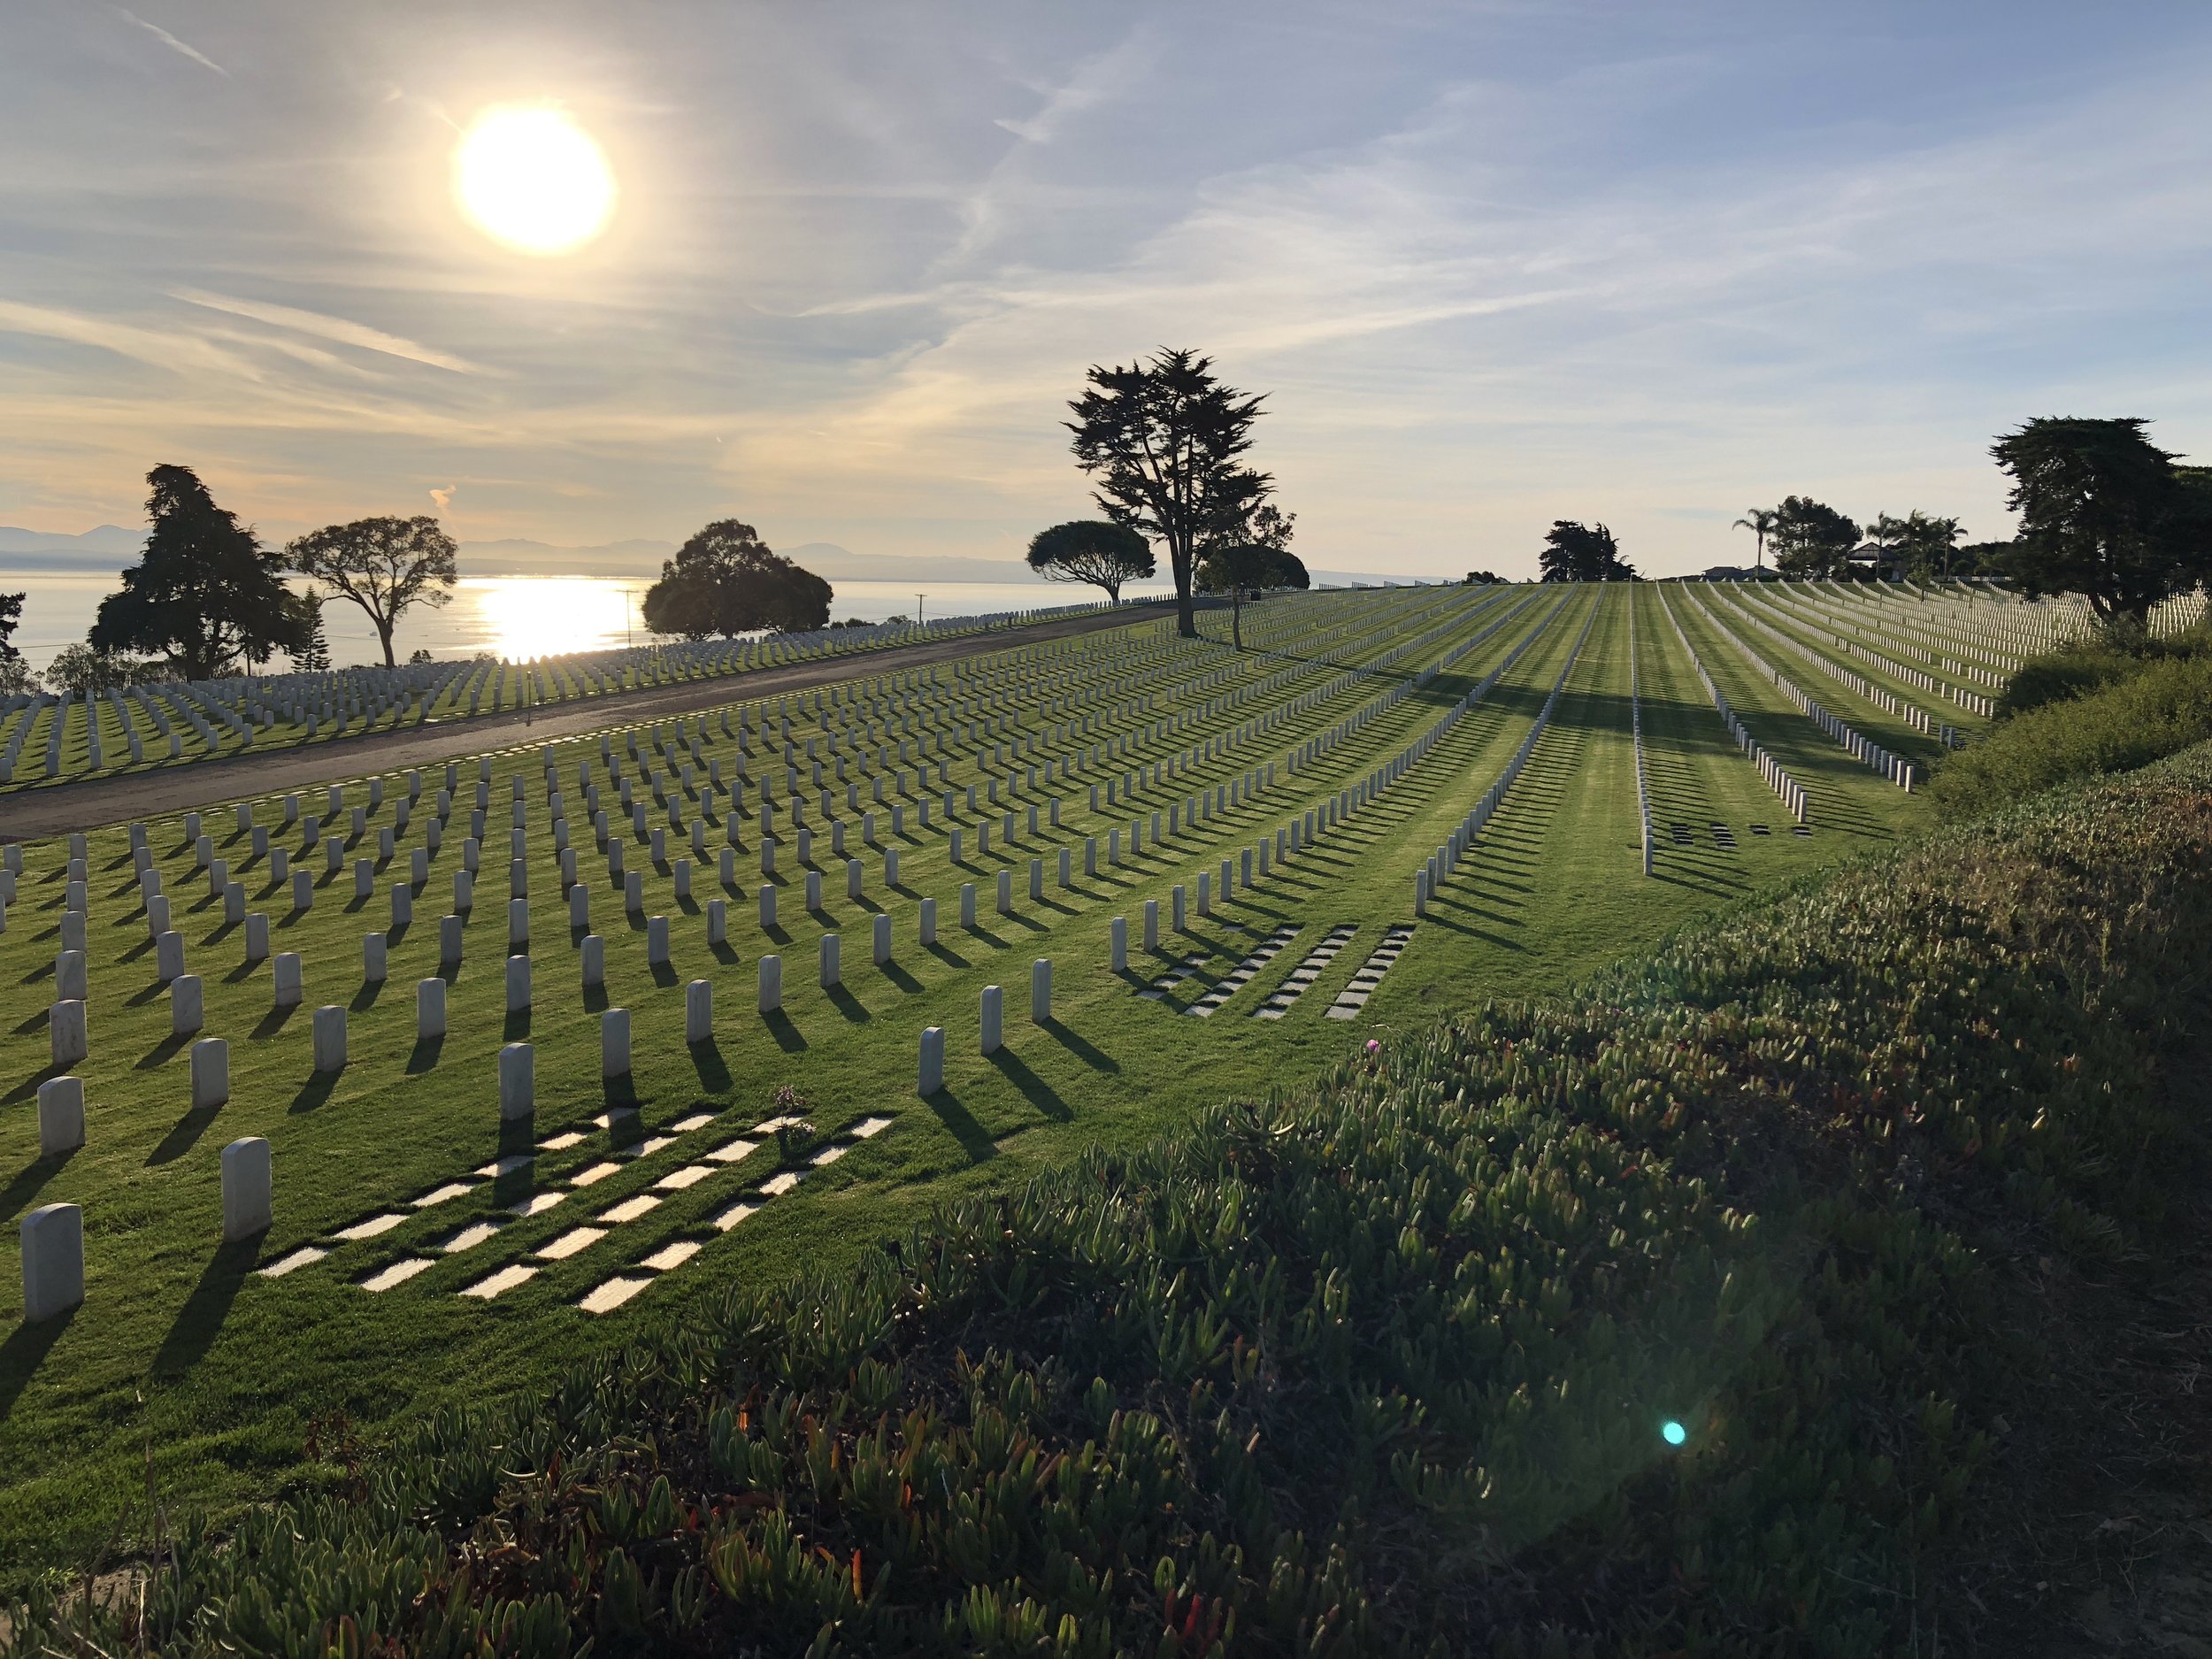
column 58, row 808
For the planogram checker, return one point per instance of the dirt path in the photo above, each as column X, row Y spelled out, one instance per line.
column 59, row 808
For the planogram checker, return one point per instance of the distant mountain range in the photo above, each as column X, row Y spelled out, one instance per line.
column 94, row 549
column 109, row 547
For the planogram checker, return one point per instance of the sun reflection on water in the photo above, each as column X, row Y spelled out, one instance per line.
column 550, row 616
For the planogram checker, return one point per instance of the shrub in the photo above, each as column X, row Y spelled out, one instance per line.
column 2145, row 710
column 2120, row 652
column 1382, row 1367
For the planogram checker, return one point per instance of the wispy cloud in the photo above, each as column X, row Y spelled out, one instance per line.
column 176, row 352
column 1098, row 79
column 337, row 328
column 182, row 48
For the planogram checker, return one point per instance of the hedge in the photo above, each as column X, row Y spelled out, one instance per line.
column 1386, row 1365
column 2084, row 713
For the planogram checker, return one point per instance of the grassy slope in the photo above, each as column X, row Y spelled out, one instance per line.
column 1382, row 1367
column 180, row 1352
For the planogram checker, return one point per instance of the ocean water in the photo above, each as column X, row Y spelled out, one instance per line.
column 526, row 616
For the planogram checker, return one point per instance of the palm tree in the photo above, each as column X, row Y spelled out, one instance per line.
column 1759, row 521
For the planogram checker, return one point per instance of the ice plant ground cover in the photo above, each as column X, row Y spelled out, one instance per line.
column 1660, row 1316
column 431, row 1257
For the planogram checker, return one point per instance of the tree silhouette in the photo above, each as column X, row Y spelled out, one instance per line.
column 1920, row 545
column 1760, row 522
column 206, row 593
column 1259, row 557
column 384, row 566
column 1811, row 538
column 313, row 655
column 1162, row 441
column 1582, row 553
column 2104, row 513
column 1093, row 550
column 726, row 580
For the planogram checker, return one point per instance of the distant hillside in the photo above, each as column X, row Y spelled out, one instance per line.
column 514, row 556
column 108, row 548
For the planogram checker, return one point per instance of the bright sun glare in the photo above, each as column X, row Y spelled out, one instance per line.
column 544, row 616
column 533, row 179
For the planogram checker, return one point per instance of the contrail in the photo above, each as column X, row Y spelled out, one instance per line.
column 174, row 43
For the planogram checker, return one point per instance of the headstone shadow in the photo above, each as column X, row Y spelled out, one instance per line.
column 164, row 1051
column 200, row 1321
column 1089, row 1052
column 28, row 1180
column 183, row 1135
column 713, row 1070
column 24, row 1352
column 974, row 1140
column 315, row 1091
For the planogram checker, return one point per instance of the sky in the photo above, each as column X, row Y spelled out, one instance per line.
column 1492, row 265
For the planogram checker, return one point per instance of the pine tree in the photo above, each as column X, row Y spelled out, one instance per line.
column 313, row 656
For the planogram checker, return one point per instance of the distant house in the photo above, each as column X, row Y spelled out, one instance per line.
column 1872, row 561
column 1730, row 574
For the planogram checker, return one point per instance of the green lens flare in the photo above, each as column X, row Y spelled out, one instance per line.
column 1673, row 1433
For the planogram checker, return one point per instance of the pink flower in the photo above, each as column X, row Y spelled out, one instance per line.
column 1374, row 1046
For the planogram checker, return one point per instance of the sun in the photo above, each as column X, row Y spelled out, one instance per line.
column 533, row 179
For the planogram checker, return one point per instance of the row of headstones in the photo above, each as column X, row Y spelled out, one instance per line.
column 53, row 1235
column 1349, row 801
column 990, row 1037
column 376, row 791
column 70, row 971
column 1793, row 793
column 1823, row 625
column 1895, row 768
column 302, row 900
column 1880, row 696
column 415, row 690
column 1438, row 868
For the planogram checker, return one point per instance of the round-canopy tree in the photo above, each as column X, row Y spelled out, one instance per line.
column 383, row 565
column 1091, row 550
column 1810, row 539
column 1253, row 553
column 726, row 580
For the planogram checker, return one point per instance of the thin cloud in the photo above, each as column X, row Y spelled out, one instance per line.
column 1097, row 80
column 183, row 48
column 444, row 496
column 180, row 354
column 337, row 328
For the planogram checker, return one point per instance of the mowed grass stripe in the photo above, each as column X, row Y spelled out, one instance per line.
column 1697, row 774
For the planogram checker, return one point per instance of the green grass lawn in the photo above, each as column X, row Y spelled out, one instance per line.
column 190, row 1367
